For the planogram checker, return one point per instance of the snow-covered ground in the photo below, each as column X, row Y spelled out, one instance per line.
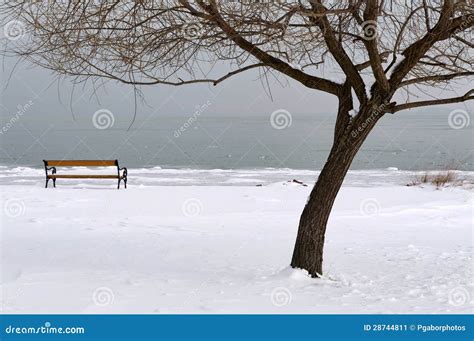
column 182, row 241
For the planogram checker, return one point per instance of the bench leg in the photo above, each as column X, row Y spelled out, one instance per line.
column 118, row 185
column 125, row 182
column 54, row 183
column 47, row 180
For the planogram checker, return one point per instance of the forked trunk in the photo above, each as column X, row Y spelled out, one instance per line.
column 308, row 251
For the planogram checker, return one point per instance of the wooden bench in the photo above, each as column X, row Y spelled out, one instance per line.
column 50, row 165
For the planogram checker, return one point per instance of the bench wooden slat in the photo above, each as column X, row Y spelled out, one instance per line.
column 78, row 176
column 81, row 163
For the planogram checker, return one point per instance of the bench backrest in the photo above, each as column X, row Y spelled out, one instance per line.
column 80, row 163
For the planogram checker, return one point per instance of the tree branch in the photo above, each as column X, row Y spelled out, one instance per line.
column 436, row 78
column 214, row 82
column 393, row 108
column 366, row 64
column 338, row 52
column 443, row 29
column 310, row 81
column 370, row 14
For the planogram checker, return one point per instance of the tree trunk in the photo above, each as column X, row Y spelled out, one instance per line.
column 308, row 251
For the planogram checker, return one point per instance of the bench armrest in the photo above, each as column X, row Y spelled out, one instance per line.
column 50, row 168
column 125, row 171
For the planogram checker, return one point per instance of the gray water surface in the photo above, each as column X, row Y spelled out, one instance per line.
column 410, row 141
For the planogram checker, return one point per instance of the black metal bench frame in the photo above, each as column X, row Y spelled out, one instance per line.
column 50, row 165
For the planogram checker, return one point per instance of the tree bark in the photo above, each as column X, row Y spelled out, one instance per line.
column 308, row 251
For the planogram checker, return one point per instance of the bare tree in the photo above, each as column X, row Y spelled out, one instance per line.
column 379, row 50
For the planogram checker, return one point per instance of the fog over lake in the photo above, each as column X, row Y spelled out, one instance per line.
column 201, row 126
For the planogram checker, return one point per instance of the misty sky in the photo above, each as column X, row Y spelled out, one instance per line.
column 238, row 96
column 241, row 95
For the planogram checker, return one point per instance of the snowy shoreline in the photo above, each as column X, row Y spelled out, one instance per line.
column 156, row 176
column 183, row 241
